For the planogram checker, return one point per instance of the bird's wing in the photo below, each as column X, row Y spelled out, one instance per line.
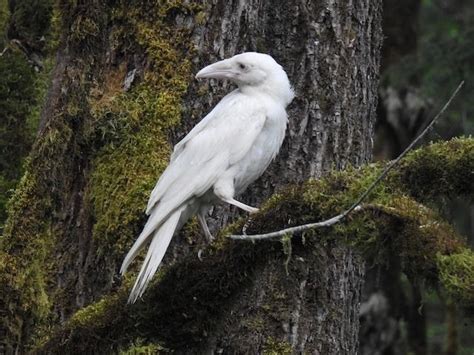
column 220, row 143
column 218, row 110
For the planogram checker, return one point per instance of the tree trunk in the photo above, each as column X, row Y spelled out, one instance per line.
column 122, row 90
column 402, row 113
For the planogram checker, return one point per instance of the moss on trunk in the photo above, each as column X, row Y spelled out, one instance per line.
column 99, row 147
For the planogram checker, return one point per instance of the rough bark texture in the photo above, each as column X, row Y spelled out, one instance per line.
column 324, row 46
column 302, row 311
column 330, row 50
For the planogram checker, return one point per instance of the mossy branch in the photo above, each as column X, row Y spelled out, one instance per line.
column 183, row 306
column 356, row 205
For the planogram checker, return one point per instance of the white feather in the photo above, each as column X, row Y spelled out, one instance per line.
column 155, row 254
column 224, row 139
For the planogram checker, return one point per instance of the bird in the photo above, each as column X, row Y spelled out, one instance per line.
column 225, row 152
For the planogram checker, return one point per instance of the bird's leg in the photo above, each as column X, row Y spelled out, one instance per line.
column 241, row 205
column 224, row 190
column 205, row 228
column 246, row 225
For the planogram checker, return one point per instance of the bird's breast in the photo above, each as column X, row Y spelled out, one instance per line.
column 263, row 151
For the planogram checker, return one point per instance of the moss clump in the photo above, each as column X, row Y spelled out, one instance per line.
column 274, row 347
column 30, row 239
column 82, row 28
column 317, row 200
column 143, row 349
column 415, row 233
column 29, row 236
column 98, row 313
column 456, row 273
column 444, row 168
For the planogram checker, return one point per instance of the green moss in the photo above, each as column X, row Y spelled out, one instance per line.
column 29, row 240
column 129, row 134
column 444, row 168
column 392, row 221
column 456, row 272
column 82, row 28
column 275, row 347
column 98, row 313
column 415, row 233
column 138, row 348
column 135, row 125
column 255, row 323
column 22, row 90
column 29, row 236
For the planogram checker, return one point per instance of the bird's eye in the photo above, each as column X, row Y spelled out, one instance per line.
column 242, row 66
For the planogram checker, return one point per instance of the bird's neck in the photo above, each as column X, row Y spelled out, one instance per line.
column 280, row 92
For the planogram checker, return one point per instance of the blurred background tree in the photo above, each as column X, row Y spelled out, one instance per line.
column 428, row 49
column 25, row 61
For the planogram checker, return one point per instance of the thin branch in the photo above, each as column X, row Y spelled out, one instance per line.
column 293, row 230
column 355, row 205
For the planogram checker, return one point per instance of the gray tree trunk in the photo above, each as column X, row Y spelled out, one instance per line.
column 402, row 113
column 330, row 50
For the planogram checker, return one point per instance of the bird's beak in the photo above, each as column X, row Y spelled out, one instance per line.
column 219, row 70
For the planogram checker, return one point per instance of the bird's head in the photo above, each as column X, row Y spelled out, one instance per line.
column 252, row 70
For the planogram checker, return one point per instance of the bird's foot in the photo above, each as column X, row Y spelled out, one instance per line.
column 252, row 210
column 205, row 228
column 210, row 238
column 241, row 205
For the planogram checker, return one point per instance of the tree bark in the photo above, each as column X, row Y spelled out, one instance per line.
column 330, row 50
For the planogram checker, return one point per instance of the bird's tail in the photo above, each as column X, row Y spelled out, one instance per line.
column 160, row 242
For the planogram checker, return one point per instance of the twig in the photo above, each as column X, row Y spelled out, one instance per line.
column 288, row 231
column 355, row 205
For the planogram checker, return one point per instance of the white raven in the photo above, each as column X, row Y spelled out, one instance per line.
column 228, row 150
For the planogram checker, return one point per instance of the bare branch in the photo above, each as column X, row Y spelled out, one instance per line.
column 355, row 205
column 297, row 229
